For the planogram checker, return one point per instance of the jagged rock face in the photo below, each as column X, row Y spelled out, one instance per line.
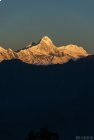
column 45, row 52
column 6, row 54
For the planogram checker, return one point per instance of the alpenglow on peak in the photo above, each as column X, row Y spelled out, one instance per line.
column 46, row 40
column 44, row 53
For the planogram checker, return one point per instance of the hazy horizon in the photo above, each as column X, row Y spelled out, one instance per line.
column 65, row 22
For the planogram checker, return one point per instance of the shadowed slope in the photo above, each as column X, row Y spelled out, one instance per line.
column 58, row 95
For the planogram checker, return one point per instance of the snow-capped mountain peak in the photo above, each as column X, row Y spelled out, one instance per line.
column 45, row 52
column 46, row 41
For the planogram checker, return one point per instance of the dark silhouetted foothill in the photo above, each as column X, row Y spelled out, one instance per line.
column 61, row 96
column 44, row 134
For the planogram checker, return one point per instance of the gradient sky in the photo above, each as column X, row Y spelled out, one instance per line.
column 64, row 21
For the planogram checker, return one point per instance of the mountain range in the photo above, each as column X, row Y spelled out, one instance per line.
column 61, row 96
column 45, row 52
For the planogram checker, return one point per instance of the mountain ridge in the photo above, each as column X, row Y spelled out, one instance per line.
column 45, row 52
column 60, row 95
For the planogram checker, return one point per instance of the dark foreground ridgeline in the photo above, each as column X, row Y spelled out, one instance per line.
column 61, row 96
